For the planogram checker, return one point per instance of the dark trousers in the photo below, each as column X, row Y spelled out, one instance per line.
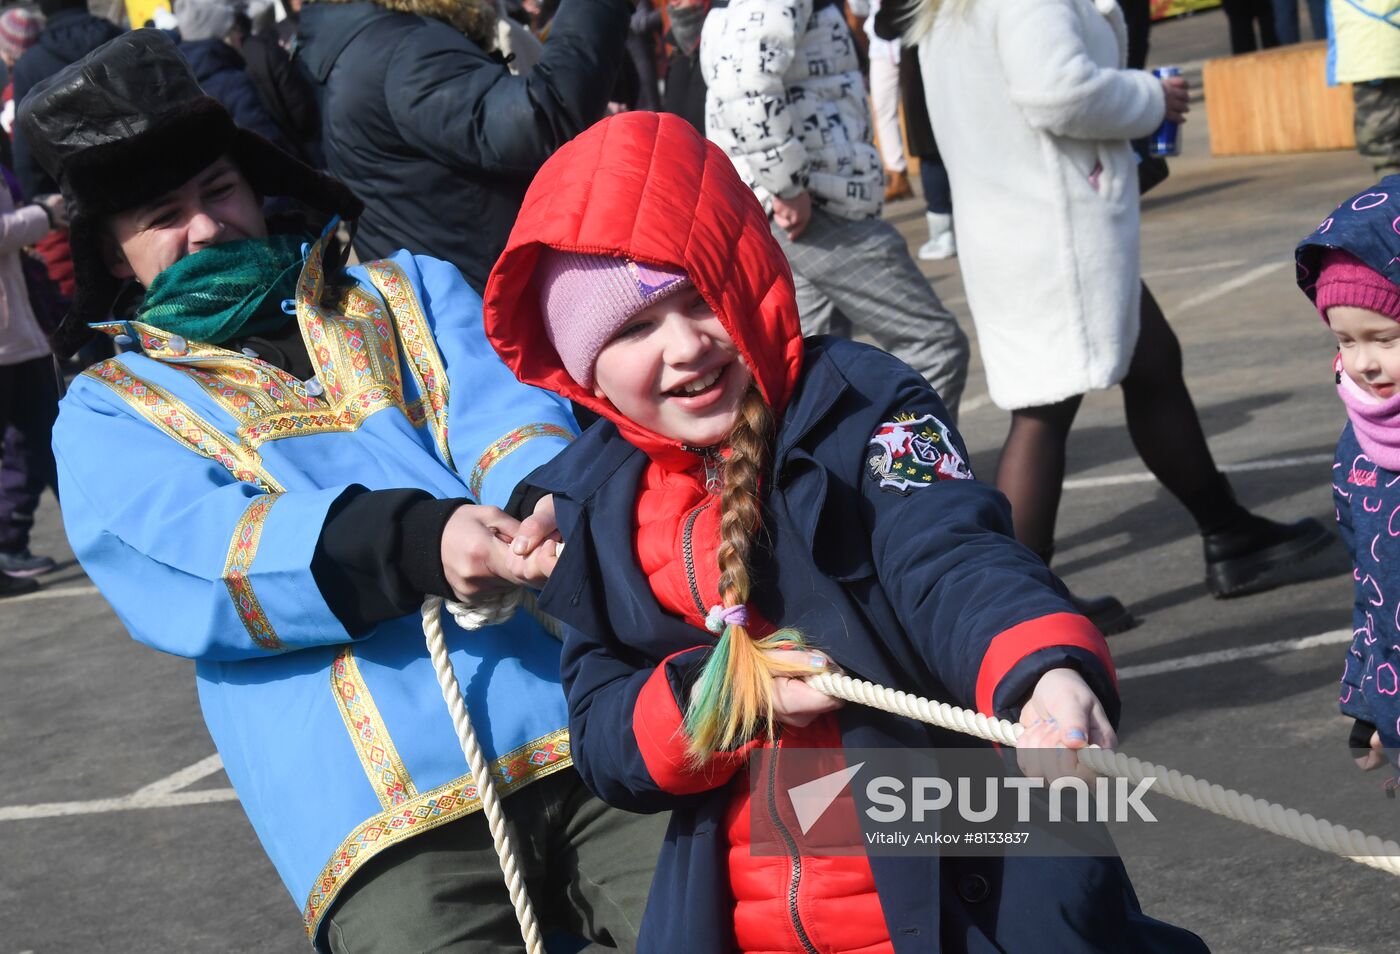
column 28, row 408
column 1137, row 15
column 587, row 868
column 1286, row 20
column 1242, row 14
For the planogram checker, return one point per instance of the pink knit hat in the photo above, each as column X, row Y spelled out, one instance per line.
column 1346, row 280
column 19, row 30
column 585, row 299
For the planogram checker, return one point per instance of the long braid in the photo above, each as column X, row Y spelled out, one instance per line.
column 733, row 697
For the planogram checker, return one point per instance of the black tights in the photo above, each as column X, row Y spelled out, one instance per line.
column 1162, row 423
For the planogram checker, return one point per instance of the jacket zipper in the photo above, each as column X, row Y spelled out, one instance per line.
column 794, row 855
column 713, row 484
column 688, row 549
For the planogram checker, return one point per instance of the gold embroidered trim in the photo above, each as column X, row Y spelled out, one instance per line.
column 242, row 550
column 347, row 416
column 456, row 799
column 378, row 756
column 170, row 415
column 424, row 359
column 507, row 445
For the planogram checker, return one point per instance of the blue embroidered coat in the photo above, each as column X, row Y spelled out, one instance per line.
column 195, row 482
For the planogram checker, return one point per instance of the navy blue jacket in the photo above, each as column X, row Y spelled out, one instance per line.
column 1363, row 491
column 222, row 74
column 924, row 591
column 68, row 36
column 436, row 135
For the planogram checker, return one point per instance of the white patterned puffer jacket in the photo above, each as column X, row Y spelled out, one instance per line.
column 787, row 103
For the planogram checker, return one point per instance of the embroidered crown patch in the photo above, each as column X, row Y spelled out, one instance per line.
column 914, row 452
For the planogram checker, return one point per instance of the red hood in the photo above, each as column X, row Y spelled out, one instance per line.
column 647, row 186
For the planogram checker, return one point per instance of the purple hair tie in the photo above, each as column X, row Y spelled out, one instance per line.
column 721, row 616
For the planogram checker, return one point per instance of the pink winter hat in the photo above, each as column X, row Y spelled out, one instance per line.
column 1344, row 279
column 585, row 299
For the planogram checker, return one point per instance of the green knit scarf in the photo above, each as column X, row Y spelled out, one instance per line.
column 226, row 290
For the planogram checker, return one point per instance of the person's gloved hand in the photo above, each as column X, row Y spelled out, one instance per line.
column 55, row 207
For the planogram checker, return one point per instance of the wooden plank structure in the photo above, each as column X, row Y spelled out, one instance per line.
column 1276, row 101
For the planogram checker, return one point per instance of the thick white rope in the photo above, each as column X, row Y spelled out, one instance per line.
column 1270, row 816
column 489, row 612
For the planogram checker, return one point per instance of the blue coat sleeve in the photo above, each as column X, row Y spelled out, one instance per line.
column 627, row 725
column 194, row 562
column 983, row 612
column 498, row 430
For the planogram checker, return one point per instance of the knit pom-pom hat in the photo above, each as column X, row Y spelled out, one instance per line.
column 586, row 299
column 1345, row 280
column 19, row 30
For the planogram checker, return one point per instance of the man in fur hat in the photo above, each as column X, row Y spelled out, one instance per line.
column 427, row 122
column 286, row 459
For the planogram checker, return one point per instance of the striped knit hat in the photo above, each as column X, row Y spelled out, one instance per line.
column 19, row 30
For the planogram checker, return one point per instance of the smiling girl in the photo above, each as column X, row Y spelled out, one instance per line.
column 753, row 508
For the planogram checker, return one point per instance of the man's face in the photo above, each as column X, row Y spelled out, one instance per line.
column 214, row 207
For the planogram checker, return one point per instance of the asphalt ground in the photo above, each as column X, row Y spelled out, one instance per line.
column 118, row 829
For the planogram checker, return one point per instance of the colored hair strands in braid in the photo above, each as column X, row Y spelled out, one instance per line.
column 733, row 698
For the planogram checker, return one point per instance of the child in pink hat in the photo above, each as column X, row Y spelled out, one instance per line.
column 1348, row 267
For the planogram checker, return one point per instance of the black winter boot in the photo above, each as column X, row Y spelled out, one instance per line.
column 1107, row 613
column 14, row 586
column 1253, row 554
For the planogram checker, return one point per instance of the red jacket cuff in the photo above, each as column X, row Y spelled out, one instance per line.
column 659, row 726
column 1011, row 646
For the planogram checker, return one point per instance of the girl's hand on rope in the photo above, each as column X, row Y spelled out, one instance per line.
column 477, row 557
column 1062, row 715
column 795, row 703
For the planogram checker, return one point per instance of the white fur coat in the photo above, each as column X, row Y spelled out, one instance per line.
column 1032, row 110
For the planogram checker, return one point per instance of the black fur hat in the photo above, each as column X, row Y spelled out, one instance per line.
column 128, row 123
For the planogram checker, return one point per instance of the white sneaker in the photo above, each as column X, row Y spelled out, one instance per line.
column 941, row 243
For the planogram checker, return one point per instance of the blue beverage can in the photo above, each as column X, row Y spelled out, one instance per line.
column 1166, row 141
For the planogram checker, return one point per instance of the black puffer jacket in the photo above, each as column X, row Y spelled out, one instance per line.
column 221, row 72
column 436, row 135
column 68, row 36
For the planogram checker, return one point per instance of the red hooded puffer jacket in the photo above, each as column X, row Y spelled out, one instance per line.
column 646, row 186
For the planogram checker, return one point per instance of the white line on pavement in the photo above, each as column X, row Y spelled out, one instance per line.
column 975, row 404
column 164, row 793
column 1230, row 655
column 59, row 593
column 183, row 778
column 1143, row 477
column 1196, row 269
column 1231, row 285
column 126, row 802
